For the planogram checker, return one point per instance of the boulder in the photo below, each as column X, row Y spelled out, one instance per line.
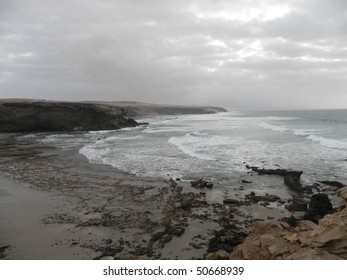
column 219, row 255
column 291, row 221
column 201, row 184
column 111, row 251
column 292, row 180
column 225, row 240
column 297, row 204
column 319, row 206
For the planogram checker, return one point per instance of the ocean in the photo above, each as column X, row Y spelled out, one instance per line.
column 218, row 146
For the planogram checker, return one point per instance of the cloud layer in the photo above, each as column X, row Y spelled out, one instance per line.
column 246, row 54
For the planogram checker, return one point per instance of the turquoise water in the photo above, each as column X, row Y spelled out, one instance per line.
column 219, row 145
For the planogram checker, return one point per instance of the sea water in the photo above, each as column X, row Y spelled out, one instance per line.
column 220, row 145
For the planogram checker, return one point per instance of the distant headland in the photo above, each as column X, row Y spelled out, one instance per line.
column 26, row 115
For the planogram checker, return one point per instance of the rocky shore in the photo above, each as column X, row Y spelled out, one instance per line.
column 303, row 240
column 98, row 212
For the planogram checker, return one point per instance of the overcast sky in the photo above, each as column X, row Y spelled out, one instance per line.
column 249, row 54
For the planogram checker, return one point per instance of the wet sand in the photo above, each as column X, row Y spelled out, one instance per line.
column 54, row 204
column 21, row 228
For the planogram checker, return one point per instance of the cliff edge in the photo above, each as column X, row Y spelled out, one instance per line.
column 35, row 116
column 139, row 109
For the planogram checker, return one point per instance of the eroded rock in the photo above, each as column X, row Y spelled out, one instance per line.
column 277, row 240
column 298, row 203
column 201, row 184
column 319, row 206
column 292, row 180
column 291, row 177
column 278, row 171
column 335, row 184
column 265, row 198
column 224, row 241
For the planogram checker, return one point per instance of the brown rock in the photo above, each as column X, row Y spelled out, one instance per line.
column 342, row 193
column 275, row 240
column 219, row 255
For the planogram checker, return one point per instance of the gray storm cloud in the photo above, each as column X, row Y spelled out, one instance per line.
column 243, row 54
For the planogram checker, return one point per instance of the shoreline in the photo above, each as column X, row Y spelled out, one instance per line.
column 22, row 210
column 91, row 211
column 90, row 195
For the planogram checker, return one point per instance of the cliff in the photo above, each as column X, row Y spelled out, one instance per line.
column 138, row 109
column 277, row 240
column 31, row 116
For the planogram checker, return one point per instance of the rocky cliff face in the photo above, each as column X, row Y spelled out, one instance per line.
column 138, row 109
column 29, row 116
column 277, row 240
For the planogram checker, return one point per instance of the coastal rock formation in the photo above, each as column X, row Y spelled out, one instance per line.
column 278, row 171
column 139, row 109
column 223, row 242
column 277, row 240
column 298, row 203
column 342, row 193
column 292, row 180
column 333, row 183
column 319, row 206
column 291, row 177
column 266, row 198
column 201, row 184
column 28, row 116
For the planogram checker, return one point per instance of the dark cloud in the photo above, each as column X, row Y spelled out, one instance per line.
column 251, row 54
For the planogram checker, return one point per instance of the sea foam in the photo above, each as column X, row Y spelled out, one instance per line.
column 329, row 143
column 218, row 144
column 190, row 146
column 274, row 127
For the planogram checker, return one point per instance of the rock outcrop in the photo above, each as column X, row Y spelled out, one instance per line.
column 335, row 184
column 278, row 171
column 277, row 240
column 139, row 109
column 32, row 116
column 319, row 206
column 292, row 180
column 291, row 177
column 201, row 184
